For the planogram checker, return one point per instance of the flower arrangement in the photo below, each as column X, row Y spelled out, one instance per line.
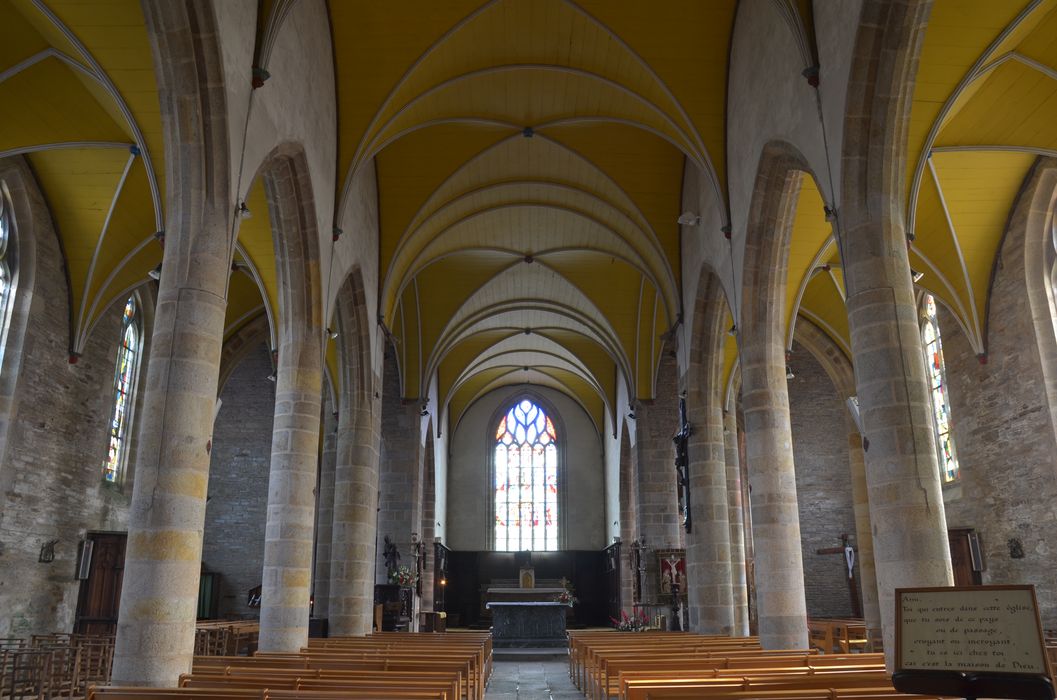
column 402, row 576
column 636, row 622
column 567, row 596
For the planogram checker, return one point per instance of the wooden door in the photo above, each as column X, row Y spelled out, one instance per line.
column 965, row 573
column 100, row 595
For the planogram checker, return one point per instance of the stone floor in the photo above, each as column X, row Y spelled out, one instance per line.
column 548, row 680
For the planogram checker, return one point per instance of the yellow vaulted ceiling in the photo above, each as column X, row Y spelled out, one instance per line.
column 985, row 106
column 82, row 106
column 529, row 156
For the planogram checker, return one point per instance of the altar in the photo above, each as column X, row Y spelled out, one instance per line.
column 528, row 624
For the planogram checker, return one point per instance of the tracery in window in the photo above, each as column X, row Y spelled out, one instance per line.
column 124, row 386
column 941, row 405
column 526, row 480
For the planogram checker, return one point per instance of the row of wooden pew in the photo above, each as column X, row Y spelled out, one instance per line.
column 226, row 637
column 380, row 666
column 838, row 636
column 58, row 665
column 680, row 666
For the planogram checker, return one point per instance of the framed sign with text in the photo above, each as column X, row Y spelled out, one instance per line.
column 972, row 641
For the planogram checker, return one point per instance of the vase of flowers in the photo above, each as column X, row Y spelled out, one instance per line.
column 567, row 596
column 636, row 622
column 403, row 576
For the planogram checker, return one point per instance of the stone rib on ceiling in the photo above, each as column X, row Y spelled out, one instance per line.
column 543, row 135
column 984, row 106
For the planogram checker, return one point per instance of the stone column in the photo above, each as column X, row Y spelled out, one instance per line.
column 629, row 525
column 863, row 536
column 429, row 517
column 658, row 505
column 902, row 470
column 163, row 557
column 400, row 470
column 325, row 520
column 772, row 478
column 286, row 582
column 736, row 517
column 355, row 516
column 708, row 565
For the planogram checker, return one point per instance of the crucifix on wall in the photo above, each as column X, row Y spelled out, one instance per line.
column 848, row 551
column 682, row 465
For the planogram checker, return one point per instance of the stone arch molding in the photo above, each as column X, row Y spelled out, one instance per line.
column 1033, row 221
column 767, row 241
column 31, row 219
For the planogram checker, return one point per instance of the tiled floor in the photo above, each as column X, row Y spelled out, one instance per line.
column 549, row 680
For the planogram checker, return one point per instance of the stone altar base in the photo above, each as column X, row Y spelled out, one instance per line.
column 528, row 625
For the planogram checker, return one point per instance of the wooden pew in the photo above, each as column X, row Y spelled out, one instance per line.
column 132, row 693
column 593, row 653
column 837, row 635
column 455, row 668
column 772, row 662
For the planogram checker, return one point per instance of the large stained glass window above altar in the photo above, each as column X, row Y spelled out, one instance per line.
column 526, row 480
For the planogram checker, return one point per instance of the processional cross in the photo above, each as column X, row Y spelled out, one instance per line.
column 849, row 560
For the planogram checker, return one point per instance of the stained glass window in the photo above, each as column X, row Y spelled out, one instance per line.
column 6, row 278
column 526, row 480
column 124, row 386
column 941, row 405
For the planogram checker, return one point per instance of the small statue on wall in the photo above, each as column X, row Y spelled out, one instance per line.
column 391, row 556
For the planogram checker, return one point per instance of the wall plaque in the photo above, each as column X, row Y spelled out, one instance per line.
column 978, row 629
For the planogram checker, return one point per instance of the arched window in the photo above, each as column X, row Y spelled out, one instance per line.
column 941, row 405
column 1051, row 267
column 7, row 277
column 526, row 480
column 124, row 388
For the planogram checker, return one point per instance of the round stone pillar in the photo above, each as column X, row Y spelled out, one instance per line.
column 772, row 479
column 736, row 519
column 863, row 536
column 325, row 522
column 291, row 505
column 902, row 470
column 355, row 518
column 163, row 556
column 286, row 581
column 708, row 574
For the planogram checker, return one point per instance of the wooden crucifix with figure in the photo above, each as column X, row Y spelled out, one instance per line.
column 682, row 465
column 849, row 552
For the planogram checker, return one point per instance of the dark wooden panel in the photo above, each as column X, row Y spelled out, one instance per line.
column 469, row 571
column 100, row 594
column 962, row 558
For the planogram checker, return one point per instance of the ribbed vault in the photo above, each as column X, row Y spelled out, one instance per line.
column 529, row 157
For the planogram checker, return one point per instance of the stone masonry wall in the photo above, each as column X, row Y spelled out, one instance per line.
column 823, row 484
column 237, row 508
column 52, row 467
column 1004, row 440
